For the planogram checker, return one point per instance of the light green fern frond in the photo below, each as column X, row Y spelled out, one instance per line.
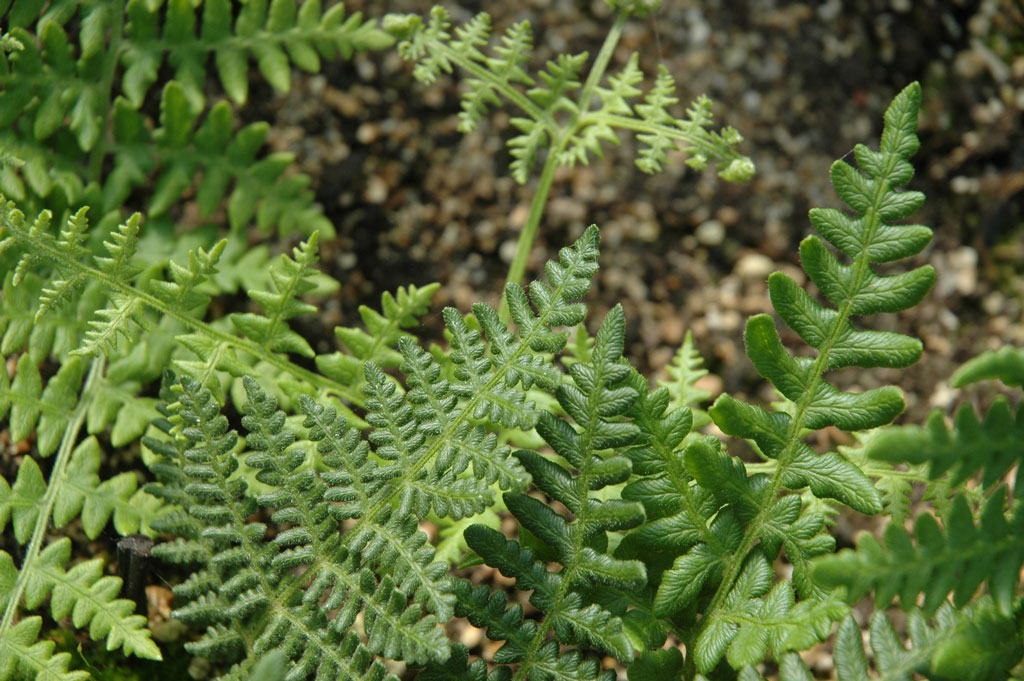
column 990, row 444
column 592, row 112
column 936, row 560
column 34, row 504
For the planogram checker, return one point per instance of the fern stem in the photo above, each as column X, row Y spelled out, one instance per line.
column 99, row 151
column 601, row 64
column 564, row 134
column 53, row 488
column 753, row 530
column 529, row 232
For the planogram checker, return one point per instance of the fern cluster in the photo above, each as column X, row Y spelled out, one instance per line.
column 294, row 487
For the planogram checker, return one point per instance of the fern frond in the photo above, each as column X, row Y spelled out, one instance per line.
column 855, row 289
column 429, row 455
column 1005, row 364
column 274, row 35
column 976, row 643
column 937, row 560
column 291, row 279
column 675, row 508
column 248, row 593
column 557, row 92
column 716, row 521
column 598, row 394
column 785, row 522
column 991, row 443
column 34, row 504
column 172, row 156
column 22, row 651
column 89, row 597
column 127, row 311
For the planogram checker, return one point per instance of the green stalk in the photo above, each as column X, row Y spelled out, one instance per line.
column 526, row 237
column 517, row 269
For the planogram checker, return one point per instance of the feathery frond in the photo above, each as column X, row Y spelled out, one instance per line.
column 561, row 113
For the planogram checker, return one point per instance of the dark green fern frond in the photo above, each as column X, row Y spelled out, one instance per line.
column 426, row 453
column 786, row 522
column 721, row 526
column 855, row 289
column 142, row 36
column 249, row 594
column 936, row 560
column 598, row 395
column 77, row 76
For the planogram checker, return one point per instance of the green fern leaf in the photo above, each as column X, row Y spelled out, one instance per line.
column 974, row 644
column 1006, row 364
column 991, row 443
column 936, row 560
column 855, row 289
